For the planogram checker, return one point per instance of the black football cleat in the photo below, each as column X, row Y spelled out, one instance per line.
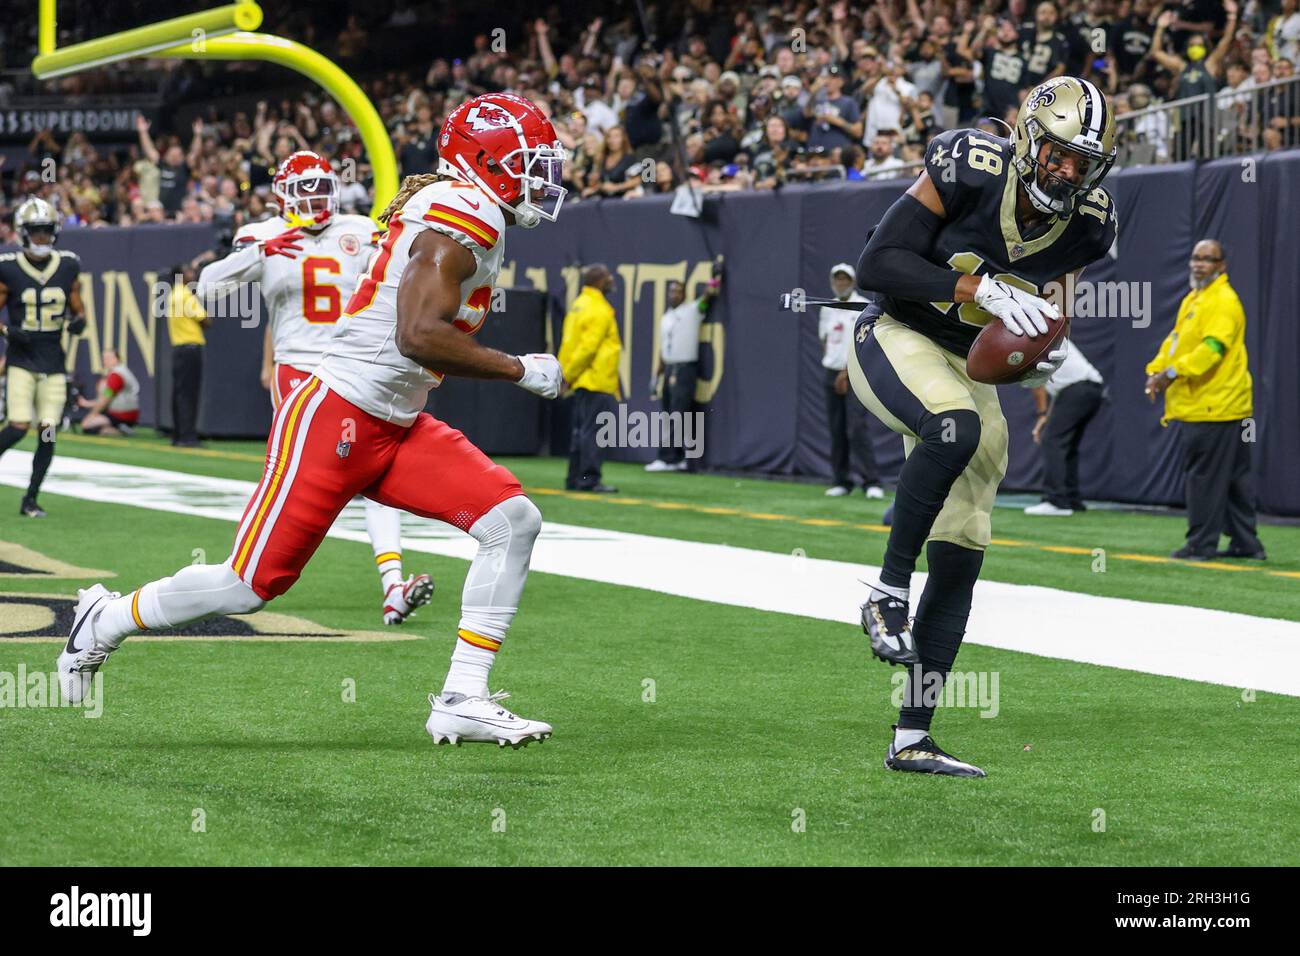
column 886, row 623
column 1260, row 555
column 1188, row 553
column 924, row 756
column 30, row 509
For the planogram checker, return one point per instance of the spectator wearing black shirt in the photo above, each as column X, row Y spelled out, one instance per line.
column 613, row 168
column 173, row 173
column 791, row 108
column 1131, row 41
column 997, row 47
column 760, row 108
column 1043, row 46
column 958, row 71
column 1088, row 36
column 419, row 152
column 641, row 114
column 1197, row 73
column 775, row 155
column 1282, row 104
column 721, row 139
column 917, row 123
column 1196, row 17
column 836, row 119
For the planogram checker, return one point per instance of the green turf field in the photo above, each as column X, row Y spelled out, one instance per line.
column 762, row 744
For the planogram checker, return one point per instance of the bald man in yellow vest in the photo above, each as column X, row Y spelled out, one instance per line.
column 1203, row 372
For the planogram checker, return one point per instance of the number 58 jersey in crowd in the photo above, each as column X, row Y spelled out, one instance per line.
column 303, row 297
column 363, row 364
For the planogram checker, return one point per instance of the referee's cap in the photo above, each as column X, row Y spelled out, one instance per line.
column 845, row 269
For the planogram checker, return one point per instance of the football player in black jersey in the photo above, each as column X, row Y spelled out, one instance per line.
column 39, row 286
column 982, row 234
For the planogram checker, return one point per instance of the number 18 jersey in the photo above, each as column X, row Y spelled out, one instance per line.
column 975, row 180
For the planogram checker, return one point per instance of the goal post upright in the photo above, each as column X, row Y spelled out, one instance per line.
column 325, row 73
column 225, row 33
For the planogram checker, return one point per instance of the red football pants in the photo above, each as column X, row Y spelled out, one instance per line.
column 323, row 451
column 284, row 381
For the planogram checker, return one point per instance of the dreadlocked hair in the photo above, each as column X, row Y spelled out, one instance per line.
column 410, row 186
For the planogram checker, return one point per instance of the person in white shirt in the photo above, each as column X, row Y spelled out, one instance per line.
column 882, row 163
column 676, row 365
column 1075, row 392
column 885, row 110
column 1286, row 32
column 1153, row 127
column 600, row 115
column 847, row 417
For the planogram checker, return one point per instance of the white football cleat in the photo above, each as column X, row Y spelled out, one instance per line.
column 481, row 720
column 658, row 465
column 837, row 491
column 82, row 656
column 1049, row 510
column 405, row 596
column 874, row 492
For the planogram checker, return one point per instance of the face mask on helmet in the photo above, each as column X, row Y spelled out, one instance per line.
column 38, row 239
column 309, row 201
column 1049, row 189
column 539, row 172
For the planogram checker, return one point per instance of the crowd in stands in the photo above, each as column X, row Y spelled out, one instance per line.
column 734, row 95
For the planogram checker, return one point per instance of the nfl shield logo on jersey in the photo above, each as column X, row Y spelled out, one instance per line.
column 343, row 449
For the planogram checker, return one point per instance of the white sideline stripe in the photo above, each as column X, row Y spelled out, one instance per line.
column 1218, row 647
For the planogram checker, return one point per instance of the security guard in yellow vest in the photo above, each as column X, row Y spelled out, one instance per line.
column 590, row 349
column 1203, row 372
column 186, row 321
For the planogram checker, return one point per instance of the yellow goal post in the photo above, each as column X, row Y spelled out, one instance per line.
column 224, row 33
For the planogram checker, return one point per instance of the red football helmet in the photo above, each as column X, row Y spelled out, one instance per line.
column 506, row 146
column 307, row 189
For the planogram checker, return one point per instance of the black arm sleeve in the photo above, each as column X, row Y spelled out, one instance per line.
column 894, row 261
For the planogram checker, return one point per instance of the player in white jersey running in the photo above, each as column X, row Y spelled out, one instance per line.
column 357, row 426
column 306, row 262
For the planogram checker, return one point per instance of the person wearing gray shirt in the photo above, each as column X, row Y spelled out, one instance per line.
column 677, row 361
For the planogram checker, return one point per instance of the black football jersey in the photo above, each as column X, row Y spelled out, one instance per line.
column 1042, row 53
column 973, row 174
column 38, row 308
column 1005, row 75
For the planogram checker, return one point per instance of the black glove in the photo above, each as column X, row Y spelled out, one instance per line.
column 77, row 325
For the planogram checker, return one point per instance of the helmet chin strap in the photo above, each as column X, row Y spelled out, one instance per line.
column 1041, row 201
column 524, row 215
column 39, row 251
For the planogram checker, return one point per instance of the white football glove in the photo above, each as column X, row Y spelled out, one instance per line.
column 1046, row 368
column 542, row 375
column 1020, row 311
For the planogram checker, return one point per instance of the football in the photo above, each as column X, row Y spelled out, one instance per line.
column 1000, row 357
